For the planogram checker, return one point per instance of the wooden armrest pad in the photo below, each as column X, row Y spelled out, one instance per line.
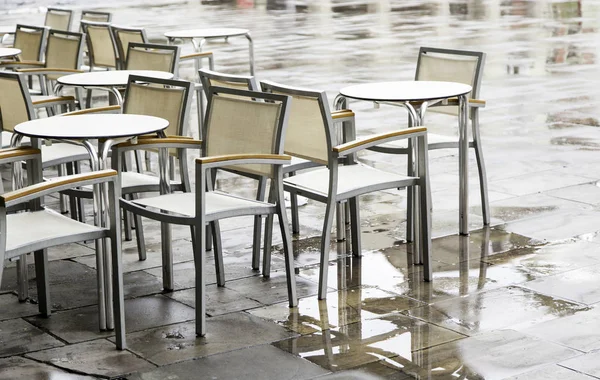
column 197, row 55
column 49, row 70
column 379, row 136
column 342, row 114
column 24, row 63
column 246, row 156
column 52, row 99
column 17, row 152
column 60, row 181
column 92, row 110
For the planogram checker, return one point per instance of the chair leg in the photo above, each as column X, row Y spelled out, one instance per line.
column 80, row 206
column 268, row 246
column 167, row 256
column 118, row 296
column 139, row 237
column 43, row 288
column 287, row 249
column 410, row 195
column 425, row 231
column 61, row 198
column 218, row 252
column 127, row 222
column 22, row 279
column 325, row 237
column 485, row 202
column 355, row 226
column 260, row 196
column 88, row 99
column 200, row 264
column 294, row 209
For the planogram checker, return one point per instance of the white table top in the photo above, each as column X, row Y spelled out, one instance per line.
column 9, row 52
column 405, row 91
column 111, row 78
column 86, row 127
column 207, row 33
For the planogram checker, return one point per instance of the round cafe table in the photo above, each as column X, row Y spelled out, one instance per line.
column 111, row 81
column 106, row 129
column 211, row 33
column 9, row 52
column 416, row 97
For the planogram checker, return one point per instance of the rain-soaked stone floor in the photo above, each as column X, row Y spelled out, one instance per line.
column 515, row 300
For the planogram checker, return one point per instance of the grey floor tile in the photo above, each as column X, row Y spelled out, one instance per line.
column 271, row 290
column 275, row 364
column 510, row 307
column 17, row 367
column 176, row 343
column 81, row 324
column 219, row 300
column 98, row 358
column 18, row 337
column 12, row 308
column 552, row 372
column 588, row 364
column 577, row 285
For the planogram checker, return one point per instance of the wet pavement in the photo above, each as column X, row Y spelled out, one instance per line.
column 516, row 300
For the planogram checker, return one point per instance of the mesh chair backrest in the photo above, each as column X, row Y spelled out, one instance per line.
column 63, row 51
column 95, row 16
column 240, row 82
column 30, row 42
column 101, row 46
column 58, row 19
column 242, row 125
column 449, row 67
column 124, row 36
column 307, row 130
column 150, row 59
column 13, row 102
column 160, row 101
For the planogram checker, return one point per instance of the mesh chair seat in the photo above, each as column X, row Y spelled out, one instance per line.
column 353, row 180
column 218, row 205
column 51, row 228
column 298, row 163
column 60, row 153
column 134, row 182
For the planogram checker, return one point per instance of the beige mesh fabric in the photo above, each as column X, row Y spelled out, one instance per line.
column 305, row 135
column 29, row 42
column 146, row 59
column 441, row 67
column 102, row 46
column 13, row 108
column 125, row 37
column 62, row 53
column 95, row 17
column 58, row 20
column 143, row 99
column 238, row 126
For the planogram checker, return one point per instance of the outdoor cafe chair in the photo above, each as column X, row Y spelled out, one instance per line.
column 436, row 64
column 58, row 19
column 165, row 98
column 144, row 56
column 31, row 40
column 63, row 56
column 53, row 229
column 311, row 135
column 243, row 129
column 95, row 16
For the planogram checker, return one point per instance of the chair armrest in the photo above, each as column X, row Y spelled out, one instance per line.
column 204, row 54
column 472, row 102
column 242, row 159
column 59, row 184
column 45, row 71
column 13, row 64
column 108, row 109
column 10, row 155
column 341, row 114
column 148, row 142
column 377, row 139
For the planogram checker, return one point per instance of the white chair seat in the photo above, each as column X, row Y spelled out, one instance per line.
column 49, row 227
column 298, row 163
column 352, row 180
column 58, row 153
column 218, row 205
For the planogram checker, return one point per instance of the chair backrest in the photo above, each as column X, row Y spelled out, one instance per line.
column 63, row 51
column 58, row 19
column 310, row 133
column 211, row 78
column 15, row 101
column 435, row 64
column 100, row 43
column 95, row 16
column 142, row 56
column 168, row 99
column 31, row 40
column 239, row 122
column 125, row 35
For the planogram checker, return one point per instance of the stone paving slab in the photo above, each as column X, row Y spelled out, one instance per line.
column 17, row 367
column 18, row 337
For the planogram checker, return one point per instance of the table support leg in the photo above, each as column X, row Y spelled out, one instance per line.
column 104, row 149
column 463, row 169
column 250, row 52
